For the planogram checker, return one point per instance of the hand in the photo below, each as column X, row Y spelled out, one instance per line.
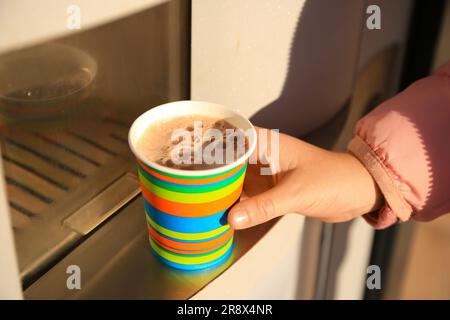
column 331, row 186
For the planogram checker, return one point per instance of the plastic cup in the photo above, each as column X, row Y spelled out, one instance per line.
column 186, row 210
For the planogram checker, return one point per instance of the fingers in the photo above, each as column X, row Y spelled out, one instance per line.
column 260, row 208
column 275, row 201
column 264, row 148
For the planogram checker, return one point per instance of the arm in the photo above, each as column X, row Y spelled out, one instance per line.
column 398, row 161
column 403, row 144
column 330, row 186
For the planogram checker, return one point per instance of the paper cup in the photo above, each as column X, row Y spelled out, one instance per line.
column 186, row 210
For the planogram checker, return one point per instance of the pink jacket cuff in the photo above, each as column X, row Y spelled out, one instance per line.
column 403, row 143
column 394, row 200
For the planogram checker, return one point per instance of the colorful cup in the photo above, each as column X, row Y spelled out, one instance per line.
column 186, row 210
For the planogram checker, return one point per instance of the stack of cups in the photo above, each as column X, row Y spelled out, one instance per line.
column 186, row 210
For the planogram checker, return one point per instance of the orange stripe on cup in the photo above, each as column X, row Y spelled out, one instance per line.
column 187, row 180
column 181, row 251
column 192, row 209
column 191, row 246
column 186, row 252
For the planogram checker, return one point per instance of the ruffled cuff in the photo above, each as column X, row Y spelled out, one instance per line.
column 396, row 208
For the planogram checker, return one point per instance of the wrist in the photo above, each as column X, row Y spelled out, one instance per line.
column 362, row 189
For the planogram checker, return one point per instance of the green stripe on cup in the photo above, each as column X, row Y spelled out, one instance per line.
column 190, row 259
column 195, row 254
column 189, row 197
column 191, row 189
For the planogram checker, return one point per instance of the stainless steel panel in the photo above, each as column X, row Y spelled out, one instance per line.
column 100, row 208
column 46, row 240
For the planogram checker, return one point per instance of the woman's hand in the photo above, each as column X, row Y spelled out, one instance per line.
column 330, row 186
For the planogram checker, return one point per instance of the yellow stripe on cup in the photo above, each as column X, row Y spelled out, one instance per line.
column 192, row 259
column 190, row 197
column 184, row 235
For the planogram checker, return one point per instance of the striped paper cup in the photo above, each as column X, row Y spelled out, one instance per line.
column 186, row 210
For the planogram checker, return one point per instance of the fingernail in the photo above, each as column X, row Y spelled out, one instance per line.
column 239, row 219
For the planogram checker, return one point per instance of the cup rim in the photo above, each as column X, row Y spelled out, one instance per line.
column 193, row 173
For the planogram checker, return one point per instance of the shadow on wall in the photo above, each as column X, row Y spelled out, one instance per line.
column 321, row 74
column 318, row 79
column 321, row 68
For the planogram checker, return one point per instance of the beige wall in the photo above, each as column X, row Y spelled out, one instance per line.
column 287, row 64
column 395, row 15
column 289, row 58
column 426, row 274
column 291, row 65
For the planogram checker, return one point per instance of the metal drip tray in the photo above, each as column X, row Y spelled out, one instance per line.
column 59, row 175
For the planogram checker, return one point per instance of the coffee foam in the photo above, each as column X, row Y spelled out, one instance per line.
column 192, row 142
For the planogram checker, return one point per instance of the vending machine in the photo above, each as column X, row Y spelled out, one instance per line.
column 75, row 74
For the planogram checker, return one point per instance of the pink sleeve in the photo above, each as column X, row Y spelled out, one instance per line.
column 405, row 145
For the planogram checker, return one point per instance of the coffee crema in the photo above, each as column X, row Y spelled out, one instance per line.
column 192, row 142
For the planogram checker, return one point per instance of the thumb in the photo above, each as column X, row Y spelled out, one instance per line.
column 259, row 209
